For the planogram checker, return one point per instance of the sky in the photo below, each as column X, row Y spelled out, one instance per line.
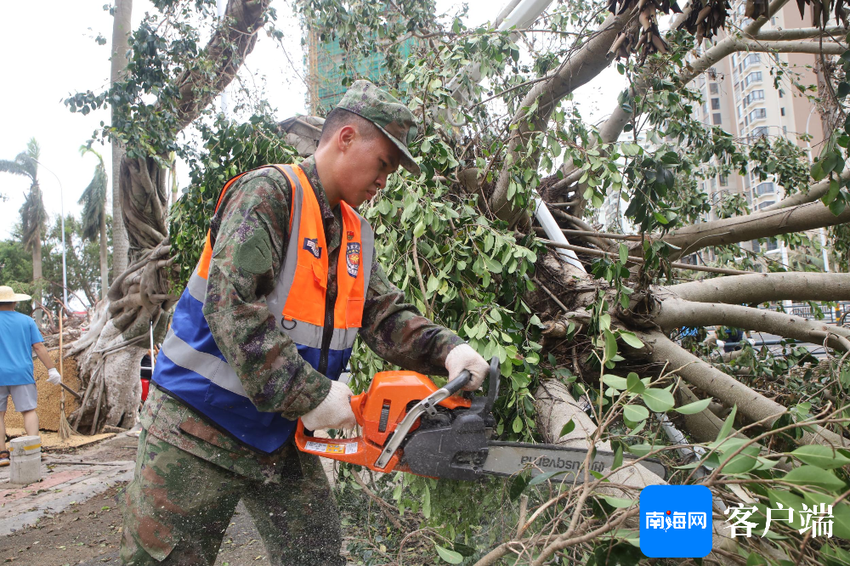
column 50, row 53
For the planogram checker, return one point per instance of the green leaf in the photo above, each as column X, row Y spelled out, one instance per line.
column 821, row 456
column 426, row 502
column 755, row 560
column 840, row 512
column 727, row 424
column 517, row 486
column 788, row 500
column 813, row 476
column 744, row 461
column 630, row 339
column 694, row 408
column 618, row 456
column 540, row 478
column 517, row 425
column 449, row 556
column 615, row 381
column 610, row 345
column 466, row 551
column 817, row 171
column 624, row 254
column 618, row 502
column 658, row 400
column 634, row 384
column 642, row 449
column 635, row 413
column 834, row 189
column 567, row 428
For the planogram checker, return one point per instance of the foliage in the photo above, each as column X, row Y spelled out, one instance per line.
column 82, row 262
column 93, row 199
column 159, row 49
column 16, row 271
column 33, row 215
column 229, row 148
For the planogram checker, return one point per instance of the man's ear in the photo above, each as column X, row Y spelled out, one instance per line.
column 345, row 137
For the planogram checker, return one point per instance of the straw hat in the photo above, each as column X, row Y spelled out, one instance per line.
column 7, row 295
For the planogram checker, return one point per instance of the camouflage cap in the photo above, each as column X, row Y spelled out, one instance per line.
column 392, row 117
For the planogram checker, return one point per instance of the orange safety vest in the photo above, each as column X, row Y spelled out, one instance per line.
column 192, row 368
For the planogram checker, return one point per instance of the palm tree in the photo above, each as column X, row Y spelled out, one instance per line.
column 94, row 216
column 33, row 215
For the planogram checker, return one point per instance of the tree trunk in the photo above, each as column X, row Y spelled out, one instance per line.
column 36, row 259
column 104, row 256
column 121, row 28
column 36, row 274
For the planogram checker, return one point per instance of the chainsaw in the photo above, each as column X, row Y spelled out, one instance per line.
column 408, row 424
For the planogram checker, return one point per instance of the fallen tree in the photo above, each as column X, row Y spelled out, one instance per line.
column 598, row 325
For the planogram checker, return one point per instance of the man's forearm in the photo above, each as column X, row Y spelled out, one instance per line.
column 42, row 354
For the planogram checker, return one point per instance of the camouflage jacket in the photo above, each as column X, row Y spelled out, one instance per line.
column 249, row 236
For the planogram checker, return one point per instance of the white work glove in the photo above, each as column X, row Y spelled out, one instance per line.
column 333, row 412
column 53, row 376
column 463, row 357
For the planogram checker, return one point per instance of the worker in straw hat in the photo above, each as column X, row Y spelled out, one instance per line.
column 20, row 338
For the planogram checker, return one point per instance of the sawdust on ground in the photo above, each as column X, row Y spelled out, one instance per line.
column 52, row 440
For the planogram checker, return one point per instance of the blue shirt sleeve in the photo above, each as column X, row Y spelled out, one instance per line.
column 35, row 334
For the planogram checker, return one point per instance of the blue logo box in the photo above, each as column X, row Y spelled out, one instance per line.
column 675, row 521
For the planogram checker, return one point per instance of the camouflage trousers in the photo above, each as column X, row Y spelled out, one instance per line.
column 178, row 507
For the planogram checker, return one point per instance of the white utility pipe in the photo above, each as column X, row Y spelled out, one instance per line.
column 553, row 231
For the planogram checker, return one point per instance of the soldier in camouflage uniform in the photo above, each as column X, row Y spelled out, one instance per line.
column 190, row 473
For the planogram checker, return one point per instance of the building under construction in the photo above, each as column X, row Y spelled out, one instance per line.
column 330, row 69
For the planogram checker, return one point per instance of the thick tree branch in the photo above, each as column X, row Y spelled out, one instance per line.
column 765, row 287
column 762, row 224
column 814, row 193
column 802, row 46
column 221, row 59
column 674, row 312
column 579, row 68
column 838, row 32
column 714, row 382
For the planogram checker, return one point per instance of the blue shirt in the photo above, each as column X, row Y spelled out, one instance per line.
column 18, row 333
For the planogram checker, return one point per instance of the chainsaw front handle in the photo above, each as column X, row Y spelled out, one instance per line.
column 458, row 383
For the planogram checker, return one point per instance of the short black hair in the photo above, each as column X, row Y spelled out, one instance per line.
column 339, row 117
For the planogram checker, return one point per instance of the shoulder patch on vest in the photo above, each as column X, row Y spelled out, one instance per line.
column 352, row 258
column 255, row 255
column 312, row 246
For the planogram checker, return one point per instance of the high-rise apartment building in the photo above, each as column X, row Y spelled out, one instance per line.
column 742, row 95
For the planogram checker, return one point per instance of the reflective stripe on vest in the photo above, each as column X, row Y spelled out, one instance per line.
column 191, row 366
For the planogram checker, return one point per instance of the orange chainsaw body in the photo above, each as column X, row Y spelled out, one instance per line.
column 378, row 412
